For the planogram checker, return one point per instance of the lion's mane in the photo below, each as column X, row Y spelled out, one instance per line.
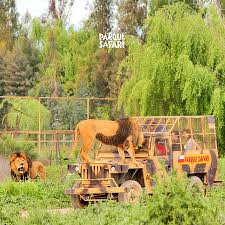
column 22, row 168
column 26, row 169
column 125, row 128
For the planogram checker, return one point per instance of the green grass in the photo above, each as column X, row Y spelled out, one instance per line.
column 170, row 204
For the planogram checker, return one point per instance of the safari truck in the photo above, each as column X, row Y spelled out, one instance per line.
column 186, row 144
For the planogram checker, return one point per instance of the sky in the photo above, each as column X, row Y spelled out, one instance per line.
column 80, row 10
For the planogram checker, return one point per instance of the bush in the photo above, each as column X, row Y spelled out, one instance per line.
column 172, row 203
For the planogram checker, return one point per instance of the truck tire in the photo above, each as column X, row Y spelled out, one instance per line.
column 76, row 200
column 196, row 186
column 132, row 194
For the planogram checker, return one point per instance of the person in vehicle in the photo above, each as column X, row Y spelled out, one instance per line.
column 190, row 144
column 157, row 130
column 175, row 141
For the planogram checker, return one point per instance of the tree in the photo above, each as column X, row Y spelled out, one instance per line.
column 131, row 15
column 180, row 68
column 106, row 79
column 58, row 10
column 9, row 27
column 218, row 5
column 67, row 57
column 18, row 68
column 158, row 4
column 222, row 7
column 101, row 18
column 23, row 114
column 1, row 74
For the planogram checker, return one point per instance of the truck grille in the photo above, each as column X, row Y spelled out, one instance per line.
column 94, row 171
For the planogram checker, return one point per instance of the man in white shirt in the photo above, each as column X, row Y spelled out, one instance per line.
column 190, row 144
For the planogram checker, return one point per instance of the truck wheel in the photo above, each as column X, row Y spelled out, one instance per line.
column 196, row 186
column 132, row 194
column 76, row 200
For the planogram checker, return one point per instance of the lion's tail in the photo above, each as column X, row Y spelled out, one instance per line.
column 76, row 133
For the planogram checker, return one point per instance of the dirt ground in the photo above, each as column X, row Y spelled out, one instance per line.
column 4, row 168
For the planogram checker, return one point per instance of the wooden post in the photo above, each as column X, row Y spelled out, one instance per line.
column 39, row 125
column 204, row 132
column 88, row 108
column 45, row 140
column 64, row 140
column 180, row 134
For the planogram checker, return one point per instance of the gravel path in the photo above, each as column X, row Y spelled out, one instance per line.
column 4, row 168
column 25, row 214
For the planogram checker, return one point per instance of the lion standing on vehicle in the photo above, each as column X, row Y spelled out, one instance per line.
column 120, row 133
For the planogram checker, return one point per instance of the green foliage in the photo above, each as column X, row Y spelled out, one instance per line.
column 66, row 113
column 9, row 146
column 102, row 112
column 9, row 26
column 72, row 63
column 101, row 16
column 178, row 71
column 23, row 114
column 131, row 15
column 37, row 30
column 223, row 6
column 218, row 107
column 156, row 5
column 171, row 203
column 19, row 68
column 16, row 197
column 66, row 55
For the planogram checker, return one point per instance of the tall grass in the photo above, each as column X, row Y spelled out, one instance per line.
column 171, row 203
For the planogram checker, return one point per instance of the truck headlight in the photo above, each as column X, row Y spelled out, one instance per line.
column 77, row 168
column 113, row 168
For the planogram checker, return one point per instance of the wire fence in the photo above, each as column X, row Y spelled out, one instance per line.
column 49, row 122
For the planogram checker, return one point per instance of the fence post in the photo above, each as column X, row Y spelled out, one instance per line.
column 39, row 125
column 88, row 107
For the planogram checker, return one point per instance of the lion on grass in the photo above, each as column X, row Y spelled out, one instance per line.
column 23, row 168
column 122, row 133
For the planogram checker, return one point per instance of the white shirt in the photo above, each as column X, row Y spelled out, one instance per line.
column 190, row 144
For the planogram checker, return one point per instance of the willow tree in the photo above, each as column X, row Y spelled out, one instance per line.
column 180, row 70
column 23, row 114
